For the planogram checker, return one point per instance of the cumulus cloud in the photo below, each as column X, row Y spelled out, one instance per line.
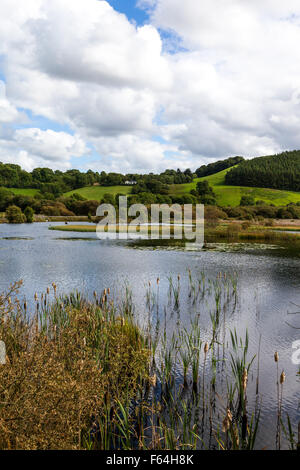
column 8, row 112
column 229, row 86
column 32, row 147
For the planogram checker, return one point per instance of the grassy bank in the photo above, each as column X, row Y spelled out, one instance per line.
column 83, row 375
column 227, row 232
column 68, row 361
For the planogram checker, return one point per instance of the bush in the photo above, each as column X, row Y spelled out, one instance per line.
column 29, row 213
column 65, row 373
column 15, row 215
column 55, row 209
column 247, row 200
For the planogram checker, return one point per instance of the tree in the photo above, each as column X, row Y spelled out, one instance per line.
column 15, row 215
column 247, row 200
column 206, row 193
column 29, row 213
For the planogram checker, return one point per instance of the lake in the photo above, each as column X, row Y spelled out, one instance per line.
column 268, row 282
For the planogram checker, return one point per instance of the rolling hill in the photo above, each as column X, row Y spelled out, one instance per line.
column 231, row 195
column 280, row 171
column 97, row 192
column 227, row 195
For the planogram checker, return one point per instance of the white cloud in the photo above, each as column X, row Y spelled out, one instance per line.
column 8, row 112
column 31, row 147
column 232, row 88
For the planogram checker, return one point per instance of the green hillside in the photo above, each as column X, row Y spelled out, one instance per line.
column 97, row 192
column 226, row 195
column 231, row 195
column 24, row 192
column 280, row 171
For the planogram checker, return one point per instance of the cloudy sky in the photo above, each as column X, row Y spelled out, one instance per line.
column 139, row 86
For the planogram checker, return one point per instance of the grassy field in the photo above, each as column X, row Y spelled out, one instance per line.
column 24, row 192
column 97, row 192
column 231, row 195
column 226, row 195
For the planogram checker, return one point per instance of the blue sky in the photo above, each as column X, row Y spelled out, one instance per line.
column 128, row 7
column 195, row 82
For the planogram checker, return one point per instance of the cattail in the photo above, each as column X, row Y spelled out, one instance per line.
column 282, row 378
column 157, row 281
column 206, row 348
column 276, row 357
column 108, row 291
column 25, row 306
column 178, row 277
column 48, row 290
column 95, row 294
column 153, row 380
column 9, row 300
column 236, row 435
column 245, row 379
column 36, row 297
column 104, row 292
column 227, row 420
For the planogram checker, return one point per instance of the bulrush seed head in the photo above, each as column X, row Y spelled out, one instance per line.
column 206, row 348
column 245, row 379
column 227, row 420
column 276, row 357
column 153, row 380
column 282, row 378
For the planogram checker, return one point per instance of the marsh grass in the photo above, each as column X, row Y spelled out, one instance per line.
column 66, row 364
column 83, row 374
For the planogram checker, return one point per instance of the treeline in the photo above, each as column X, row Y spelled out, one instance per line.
column 212, row 168
column 280, row 171
column 58, row 182
column 79, row 206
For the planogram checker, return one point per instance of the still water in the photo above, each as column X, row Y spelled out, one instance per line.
column 268, row 289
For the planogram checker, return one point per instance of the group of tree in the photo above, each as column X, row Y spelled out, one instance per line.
column 15, row 215
column 215, row 167
column 57, row 182
column 204, row 193
column 280, row 171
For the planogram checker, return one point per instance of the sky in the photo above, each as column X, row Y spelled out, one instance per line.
column 141, row 86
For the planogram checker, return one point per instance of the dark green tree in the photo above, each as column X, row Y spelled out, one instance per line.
column 247, row 200
column 29, row 213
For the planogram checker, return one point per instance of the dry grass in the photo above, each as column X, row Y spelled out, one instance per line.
column 63, row 364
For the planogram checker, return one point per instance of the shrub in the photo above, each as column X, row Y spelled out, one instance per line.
column 29, row 213
column 64, row 370
column 247, row 200
column 55, row 209
column 15, row 215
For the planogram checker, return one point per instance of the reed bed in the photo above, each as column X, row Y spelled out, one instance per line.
column 90, row 374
